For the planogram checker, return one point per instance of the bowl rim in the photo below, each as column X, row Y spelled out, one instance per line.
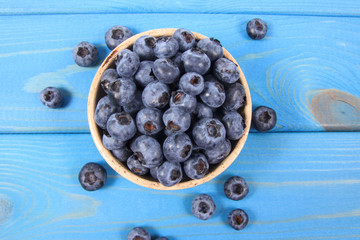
column 121, row 168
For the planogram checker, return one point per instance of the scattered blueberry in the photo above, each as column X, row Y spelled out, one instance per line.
column 195, row 60
column 165, row 70
column 176, row 119
column 166, row 47
column 51, row 97
column 145, row 73
column 185, row 38
column 236, row 188
column 92, row 176
column 203, row 206
column 156, row 94
column 211, row 47
column 127, row 63
column 108, row 77
column 213, row 94
column 144, row 47
column 138, row 233
column 116, row 35
column 234, row 125
column 148, row 151
column 256, row 29
column 121, row 126
column 208, row 133
column 238, row 219
column 111, row 143
column 122, row 90
column 226, row 71
column 149, row 121
column 161, row 238
column 177, row 147
column 135, row 166
column 192, row 83
column 181, row 99
column 122, row 154
column 235, row 97
column 104, row 108
column 264, row 118
column 85, row 54
column 203, row 111
column 169, row 173
column 196, row 166
column 218, row 154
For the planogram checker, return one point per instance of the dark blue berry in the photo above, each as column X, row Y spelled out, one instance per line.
column 236, row 188
column 256, row 29
column 111, row 143
column 122, row 154
column 127, row 63
column 203, row 206
column 203, row 111
column 195, row 60
column 121, row 126
column 166, row 47
column 234, row 125
column 264, row 118
column 116, row 35
column 144, row 47
column 192, row 83
column 177, row 61
column 122, row 90
column 211, row 47
column 181, row 99
column 166, row 71
column 149, row 121
column 156, row 94
column 176, row 119
column 85, row 54
column 135, row 166
column 208, row 133
column 148, row 151
column 161, row 238
column 226, row 71
column 213, row 94
column 196, row 166
column 51, row 97
column 169, row 173
column 177, row 147
column 135, row 105
column 185, row 38
column 92, row 176
column 104, row 108
column 145, row 73
column 235, row 97
column 153, row 172
column 138, row 233
column 108, row 77
column 218, row 154
column 238, row 219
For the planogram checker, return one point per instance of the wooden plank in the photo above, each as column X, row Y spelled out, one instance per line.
column 304, row 68
column 302, row 186
column 297, row 7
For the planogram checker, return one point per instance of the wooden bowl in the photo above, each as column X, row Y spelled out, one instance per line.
column 96, row 93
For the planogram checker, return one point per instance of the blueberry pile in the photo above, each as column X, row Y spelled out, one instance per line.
column 170, row 106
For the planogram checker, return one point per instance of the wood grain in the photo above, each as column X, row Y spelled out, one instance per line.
column 302, row 186
column 298, row 58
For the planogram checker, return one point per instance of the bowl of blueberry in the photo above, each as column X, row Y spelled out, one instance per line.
column 168, row 108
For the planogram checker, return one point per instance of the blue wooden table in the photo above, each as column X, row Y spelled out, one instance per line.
column 304, row 175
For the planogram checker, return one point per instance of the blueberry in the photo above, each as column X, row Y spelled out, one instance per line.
column 156, row 94
column 264, row 118
column 177, row 147
column 92, row 176
column 135, row 105
column 108, row 77
column 121, row 126
column 235, row 188
column 256, row 29
column 203, row 206
column 208, row 133
column 235, row 97
column 144, row 47
column 192, row 83
column 177, row 61
column 213, row 94
column 181, row 99
column 51, row 97
column 196, row 166
column 219, row 153
column 166, row 47
column 111, row 143
column 161, row 238
column 148, row 151
column 176, row 119
column 116, row 35
column 238, row 219
column 195, row 60
column 127, row 63
column 122, row 154
column 169, row 173
column 104, row 108
column 234, row 125
column 166, row 71
column 138, row 233
column 153, row 172
column 85, row 54
column 145, row 73
column 149, row 121
column 203, row 111
column 211, row 47
column 226, row 71
column 135, row 166
column 185, row 38
column 123, row 90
